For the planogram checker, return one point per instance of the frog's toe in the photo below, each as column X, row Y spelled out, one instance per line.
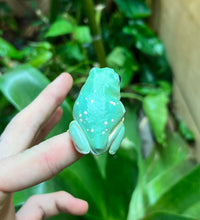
column 98, row 150
column 79, row 139
column 117, row 141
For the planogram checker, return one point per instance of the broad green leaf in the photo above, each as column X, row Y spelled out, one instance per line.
column 82, row 34
column 60, row 27
column 121, row 186
column 132, row 140
column 164, row 169
column 155, row 108
column 7, row 50
column 21, row 86
column 133, row 8
column 124, row 63
column 137, row 204
column 145, row 40
column 166, row 180
column 184, row 194
column 193, row 211
column 166, row 216
column 165, row 158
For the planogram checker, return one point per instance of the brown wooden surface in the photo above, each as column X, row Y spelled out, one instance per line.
column 178, row 24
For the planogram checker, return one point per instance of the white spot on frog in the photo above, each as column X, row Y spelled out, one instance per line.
column 112, row 103
column 105, row 123
column 103, row 132
column 92, row 130
column 92, row 101
column 112, row 120
column 85, row 112
column 80, row 115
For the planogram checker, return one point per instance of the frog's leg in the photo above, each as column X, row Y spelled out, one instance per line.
column 116, row 137
column 79, row 139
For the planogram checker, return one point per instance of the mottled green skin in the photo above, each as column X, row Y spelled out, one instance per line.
column 98, row 114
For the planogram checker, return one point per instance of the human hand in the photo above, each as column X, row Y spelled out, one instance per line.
column 26, row 161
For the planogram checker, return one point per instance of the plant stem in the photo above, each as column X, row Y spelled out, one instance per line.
column 131, row 96
column 53, row 10
column 88, row 6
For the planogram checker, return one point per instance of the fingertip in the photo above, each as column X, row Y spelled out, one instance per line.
column 68, row 77
column 83, row 207
column 75, row 206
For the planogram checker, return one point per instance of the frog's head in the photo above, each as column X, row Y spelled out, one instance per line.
column 106, row 78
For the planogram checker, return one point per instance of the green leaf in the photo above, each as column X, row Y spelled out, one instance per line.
column 21, row 86
column 193, row 211
column 155, row 108
column 145, row 89
column 166, row 216
column 165, row 158
column 37, row 53
column 137, row 204
column 124, row 63
column 60, row 27
column 120, row 186
column 7, row 50
column 82, row 34
column 184, row 194
column 145, row 40
column 133, row 8
column 164, row 169
column 151, row 89
column 41, row 59
column 186, row 132
column 71, row 51
column 166, row 180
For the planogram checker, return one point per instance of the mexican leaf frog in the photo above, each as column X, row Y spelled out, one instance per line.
column 98, row 114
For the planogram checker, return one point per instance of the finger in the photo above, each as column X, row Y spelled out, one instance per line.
column 37, row 164
column 28, row 121
column 47, row 205
column 50, row 124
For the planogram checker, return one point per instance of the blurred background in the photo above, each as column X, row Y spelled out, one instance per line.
column 154, row 45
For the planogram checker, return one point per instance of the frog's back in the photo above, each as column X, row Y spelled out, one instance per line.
column 98, row 110
column 97, row 115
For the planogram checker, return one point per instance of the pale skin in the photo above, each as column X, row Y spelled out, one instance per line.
column 41, row 161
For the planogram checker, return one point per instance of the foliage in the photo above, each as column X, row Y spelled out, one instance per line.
column 165, row 184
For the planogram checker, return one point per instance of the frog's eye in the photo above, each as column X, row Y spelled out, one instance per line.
column 120, row 79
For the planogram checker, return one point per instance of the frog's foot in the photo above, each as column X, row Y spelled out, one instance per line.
column 79, row 139
column 116, row 137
